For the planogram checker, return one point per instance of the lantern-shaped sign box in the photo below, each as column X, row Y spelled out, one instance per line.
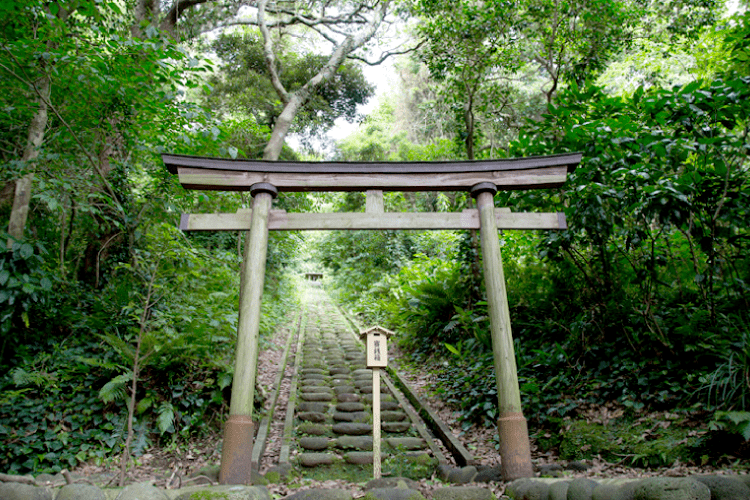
column 376, row 339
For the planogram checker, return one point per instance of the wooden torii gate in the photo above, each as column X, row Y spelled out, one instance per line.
column 265, row 179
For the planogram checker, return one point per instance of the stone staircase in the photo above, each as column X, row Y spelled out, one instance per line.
column 332, row 424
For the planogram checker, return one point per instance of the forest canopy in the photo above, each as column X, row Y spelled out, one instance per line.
column 109, row 314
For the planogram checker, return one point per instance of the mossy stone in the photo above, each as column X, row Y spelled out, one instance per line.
column 393, row 494
column 314, row 443
column 224, row 492
column 312, row 416
column 18, row 491
column 80, row 491
column 671, row 488
column 581, row 489
column 315, row 459
column 321, row 494
column 463, row 493
column 558, row 490
column 725, row 487
column 313, row 429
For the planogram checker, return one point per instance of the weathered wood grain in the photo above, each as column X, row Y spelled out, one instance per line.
column 280, row 220
column 232, row 180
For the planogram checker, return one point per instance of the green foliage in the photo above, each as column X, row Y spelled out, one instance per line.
column 25, row 284
column 245, row 88
column 641, row 443
column 733, row 422
column 50, row 415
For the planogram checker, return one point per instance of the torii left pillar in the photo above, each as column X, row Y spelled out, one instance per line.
column 237, row 449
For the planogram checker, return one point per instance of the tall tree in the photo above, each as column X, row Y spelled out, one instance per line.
column 244, row 86
column 345, row 30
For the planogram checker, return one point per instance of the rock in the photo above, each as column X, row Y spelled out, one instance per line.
column 312, row 416
column 395, row 426
column 352, row 429
column 314, row 429
column 581, row 489
column 577, row 466
column 351, row 416
column 406, row 443
column 312, row 406
column 392, row 416
column 489, row 474
column 354, row 443
column 350, row 407
column 308, row 371
column 358, row 457
column 389, row 406
column 550, row 470
column 393, row 494
column 463, row 493
column 339, row 370
column 314, row 443
column 344, row 389
column 144, row 491
column 49, row 478
column 315, row 459
column 321, row 494
column 313, row 377
column 210, row 471
column 531, row 490
column 18, row 491
column 615, row 491
column 725, row 487
column 80, row 491
column 671, row 488
column 517, row 489
column 316, row 388
column 391, row 482
column 348, row 398
column 278, row 472
column 463, row 475
column 317, row 396
column 223, row 492
column 558, row 490
column 384, row 396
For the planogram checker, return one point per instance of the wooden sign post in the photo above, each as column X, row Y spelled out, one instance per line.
column 376, row 341
column 264, row 179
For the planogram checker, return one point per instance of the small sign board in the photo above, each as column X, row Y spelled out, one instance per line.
column 376, row 339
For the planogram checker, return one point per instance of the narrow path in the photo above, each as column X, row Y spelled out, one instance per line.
column 328, row 415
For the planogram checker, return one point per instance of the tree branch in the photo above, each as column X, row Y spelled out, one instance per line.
column 269, row 54
column 387, row 54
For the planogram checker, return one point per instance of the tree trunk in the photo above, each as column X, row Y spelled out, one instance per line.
column 295, row 100
column 22, row 195
column 272, row 151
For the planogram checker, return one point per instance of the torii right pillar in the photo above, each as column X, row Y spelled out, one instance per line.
column 515, row 452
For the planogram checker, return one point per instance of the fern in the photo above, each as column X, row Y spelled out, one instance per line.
column 166, row 417
column 735, row 422
column 115, row 389
column 41, row 380
column 123, row 348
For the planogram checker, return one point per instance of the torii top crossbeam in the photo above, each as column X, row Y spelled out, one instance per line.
column 239, row 175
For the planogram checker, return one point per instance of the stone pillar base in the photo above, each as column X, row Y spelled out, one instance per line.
column 237, row 451
column 515, row 452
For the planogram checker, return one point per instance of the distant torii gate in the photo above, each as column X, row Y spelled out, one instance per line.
column 265, row 179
